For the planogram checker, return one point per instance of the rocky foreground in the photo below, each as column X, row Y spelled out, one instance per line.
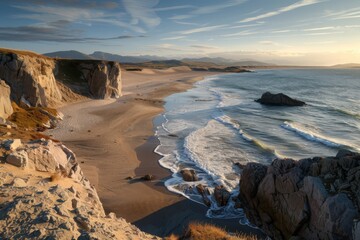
column 316, row 198
column 44, row 194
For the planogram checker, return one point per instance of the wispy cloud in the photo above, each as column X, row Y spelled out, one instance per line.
column 180, row 17
column 215, row 8
column 265, row 42
column 142, row 11
column 288, row 8
column 346, row 14
column 247, row 25
column 186, row 23
column 173, row 8
column 208, row 9
column 318, row 29
column 282, row 31
column 45, row 14
column 320, row 42
column 168, row 47
column 201, row 29
column 239, row 34
column 173, row 38
column 204, row 47
column 51, row 34
column 323, row 33
column 88, row 4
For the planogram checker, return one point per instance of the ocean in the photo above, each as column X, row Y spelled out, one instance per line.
column 217, row 123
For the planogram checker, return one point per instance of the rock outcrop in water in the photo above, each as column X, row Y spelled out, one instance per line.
column 36, row 80
column 316, row 198
column 48, row 197
column 278, row 99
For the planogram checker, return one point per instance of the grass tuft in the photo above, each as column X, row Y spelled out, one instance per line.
column 198, row 231
column 32, row 118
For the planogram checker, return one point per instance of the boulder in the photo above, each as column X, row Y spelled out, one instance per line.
column 19, row 182
column 189, row 175
column 221, row 195
column 148, row 177
column 278, row 99
column 5, row 102
column 11, row 144
column 314, row 198
column 204, row 194
column 18, row 159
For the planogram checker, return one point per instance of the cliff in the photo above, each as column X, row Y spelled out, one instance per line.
column 44, row 195
column 316, row 198
column 5, row 104
column 36, row 80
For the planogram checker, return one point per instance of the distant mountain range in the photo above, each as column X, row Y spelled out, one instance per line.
column 205, row 61
column 72, row 54
column 347, row 65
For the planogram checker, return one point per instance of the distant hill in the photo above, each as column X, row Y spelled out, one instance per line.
column 156, row 61
column 226, row 62
column 71, row 54
column 124, row 59
column 347, row 65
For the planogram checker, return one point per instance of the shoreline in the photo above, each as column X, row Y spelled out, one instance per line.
column 114, row 139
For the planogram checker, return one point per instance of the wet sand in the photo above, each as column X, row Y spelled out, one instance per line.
column 113, row 140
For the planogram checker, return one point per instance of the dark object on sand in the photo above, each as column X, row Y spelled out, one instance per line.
column 279, row 99
column 148, row 177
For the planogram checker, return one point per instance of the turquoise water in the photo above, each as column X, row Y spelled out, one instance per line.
column 217, row 124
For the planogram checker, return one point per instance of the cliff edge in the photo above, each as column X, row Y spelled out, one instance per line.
column 44, row 195
column 39, row 81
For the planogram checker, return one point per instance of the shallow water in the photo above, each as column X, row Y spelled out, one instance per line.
column 217, row 123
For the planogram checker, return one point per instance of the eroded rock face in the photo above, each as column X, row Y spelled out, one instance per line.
column 39, row 81
column 315, row 198
column 30, row 78
column 103, row 78
column 279, row 99
column 5, row 103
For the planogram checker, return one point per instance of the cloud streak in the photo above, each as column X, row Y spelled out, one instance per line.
column 346, row 14
column 207, row 9
column 142, row 11
column 51, row 34
column 288, row 8
column 202, row 29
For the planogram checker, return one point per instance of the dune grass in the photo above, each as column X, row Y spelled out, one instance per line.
column 199, row 231
column 32, row 118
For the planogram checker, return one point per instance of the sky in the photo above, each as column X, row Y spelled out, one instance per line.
column 300, row 32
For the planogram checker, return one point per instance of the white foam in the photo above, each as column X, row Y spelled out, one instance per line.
column 226, row 120
column 310, row 135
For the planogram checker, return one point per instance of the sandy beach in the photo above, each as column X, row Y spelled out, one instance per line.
column 113, row 140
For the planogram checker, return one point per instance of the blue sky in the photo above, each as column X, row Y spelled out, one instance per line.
column 306, row 32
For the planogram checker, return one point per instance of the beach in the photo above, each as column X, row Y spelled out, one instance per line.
column 113, row 140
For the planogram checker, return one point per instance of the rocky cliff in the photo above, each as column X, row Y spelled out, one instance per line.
column 36, row 80
column 44, row 195
column 5, row 104
column 316, row 198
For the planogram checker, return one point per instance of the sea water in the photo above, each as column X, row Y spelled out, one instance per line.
column 217, row 123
